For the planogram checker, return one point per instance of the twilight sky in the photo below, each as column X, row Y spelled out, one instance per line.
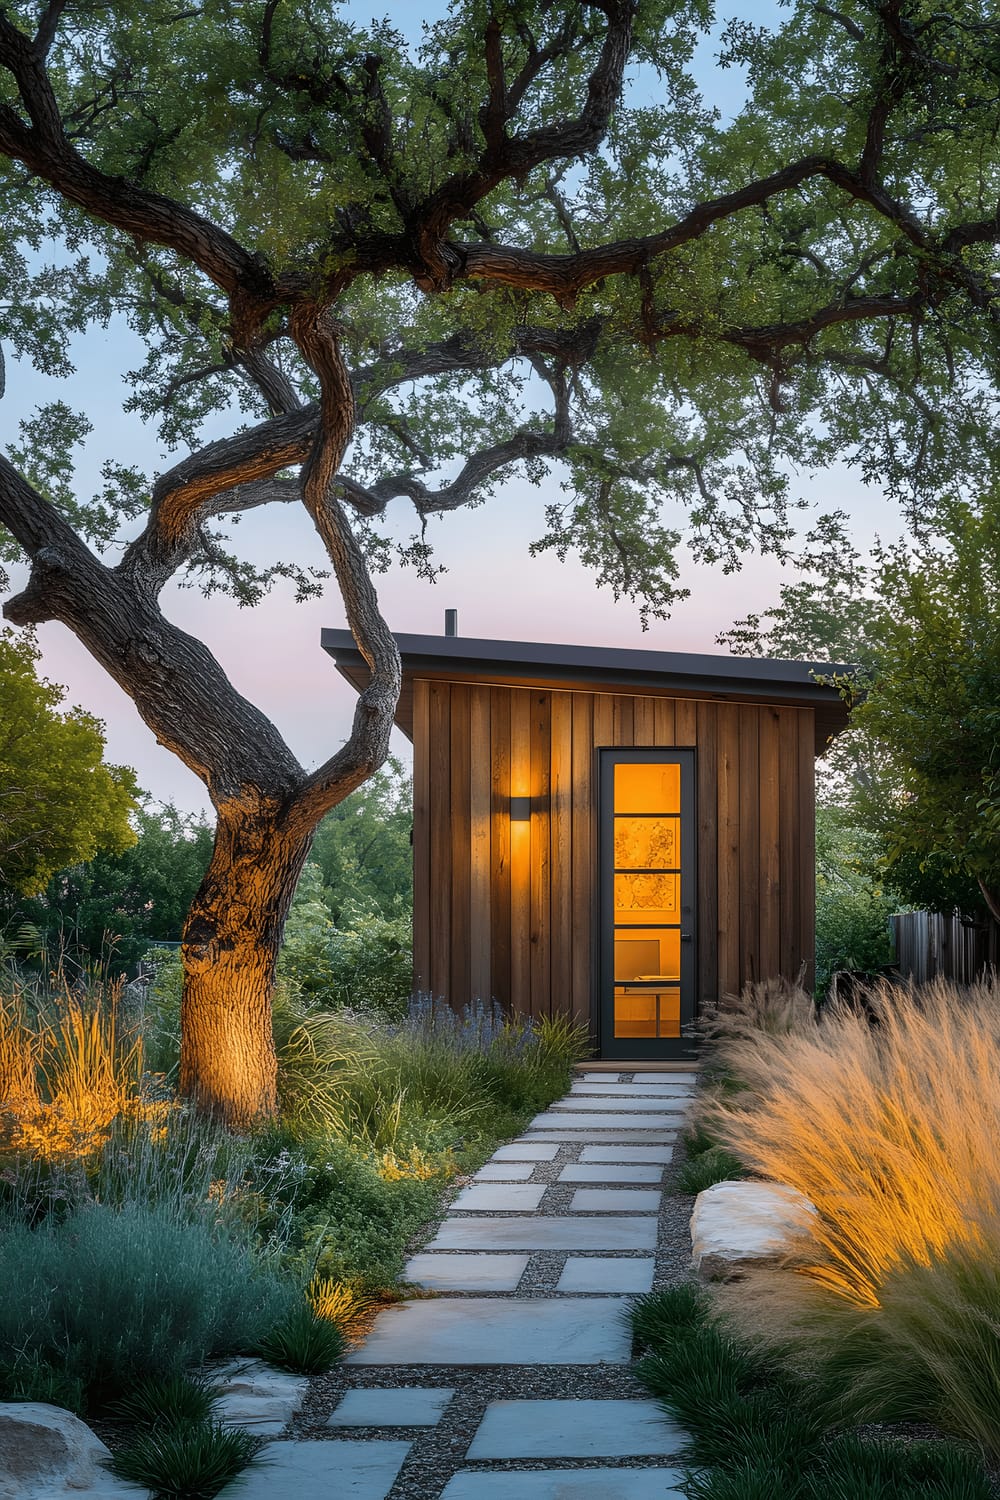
column 272, row 653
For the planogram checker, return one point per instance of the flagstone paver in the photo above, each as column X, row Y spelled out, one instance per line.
column 616, row 1171
column 494, row 1197
column 466, row 1273
column 566, row 1484
column 606, row 1273
column 553, row 1232
column 505, row 1171
column 633, row 1090
column 315, row 1470
column 627, row 1153
column 392, row 1406
column 526, row 1151
column 617, row 1105
column 575, row 1429
column 499, row 1331
column 615, row 1200
column 628, row 1137
column 570, row 1119
column 691, row 1078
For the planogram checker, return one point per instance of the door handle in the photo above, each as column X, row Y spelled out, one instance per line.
column 686, row 937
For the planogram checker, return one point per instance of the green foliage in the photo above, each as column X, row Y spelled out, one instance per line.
column 757, row 1430
column 932, row 706
column 317, row 137
column 192, row 1461
column 303, row 1342
column 852, row 908
column 28, row 1377
column 366, row 964
column 697, row 1138
column 119, row 904
column 336, row 1214
column 702, row 1171
column 168, row 1401
column 663, row 1314
column 363, row 848
column 115, row 1296
column 59, row 801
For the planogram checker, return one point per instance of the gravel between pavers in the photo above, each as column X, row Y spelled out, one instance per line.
column 438, row 1452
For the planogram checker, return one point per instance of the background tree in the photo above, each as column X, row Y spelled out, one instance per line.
column 363, row 847
column 415, row 271
column 933, row 708
column 113, row 907
column 59, row 801
column 907, row 792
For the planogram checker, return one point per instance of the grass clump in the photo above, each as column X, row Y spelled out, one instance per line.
column 193, row 1461
column 303, row 1341
column 755, row 1429
column 702, row 1171
column 168, row 1401
column 68, row 1072
column 887, row 1123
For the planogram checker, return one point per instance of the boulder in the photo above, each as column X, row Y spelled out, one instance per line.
column 47, row 1453
column 736, row 1225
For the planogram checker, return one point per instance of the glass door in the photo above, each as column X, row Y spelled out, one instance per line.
column 647, row 872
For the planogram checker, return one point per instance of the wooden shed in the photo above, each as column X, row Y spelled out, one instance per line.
column 615, row 835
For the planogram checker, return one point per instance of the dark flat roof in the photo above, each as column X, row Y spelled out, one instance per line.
column 602, row 669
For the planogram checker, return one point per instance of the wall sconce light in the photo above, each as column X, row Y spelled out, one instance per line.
column 520, row 809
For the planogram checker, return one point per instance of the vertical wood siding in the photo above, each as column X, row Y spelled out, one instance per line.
column 506, row 910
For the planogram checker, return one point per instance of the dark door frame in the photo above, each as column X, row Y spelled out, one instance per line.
column 642, row 1049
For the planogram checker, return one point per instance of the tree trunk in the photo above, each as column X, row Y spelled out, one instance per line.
column 231, row 940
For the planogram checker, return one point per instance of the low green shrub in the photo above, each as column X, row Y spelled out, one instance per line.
column 870, row 1469
column 168, row 1401
column 702, row 1171
column 697, row 1139
column 756, row 1429
column 342, row 1218
column 363, row 964
column 190, row 1462
column 303, row 1342
column 111, row 1297
column 665, row 1313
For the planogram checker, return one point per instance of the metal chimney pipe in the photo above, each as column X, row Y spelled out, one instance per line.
column 451, row 622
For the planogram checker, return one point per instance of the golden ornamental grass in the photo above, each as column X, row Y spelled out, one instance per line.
column 892, row 1304
column 890, row 1130
column 65, row 1081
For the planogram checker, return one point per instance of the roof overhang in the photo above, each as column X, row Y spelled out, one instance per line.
column 596, row 669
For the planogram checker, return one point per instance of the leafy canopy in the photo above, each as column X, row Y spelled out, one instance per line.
column 933, row 706
column 59, row 801
column 445, row 200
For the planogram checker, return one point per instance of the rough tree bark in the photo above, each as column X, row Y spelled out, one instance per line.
column 231, row 940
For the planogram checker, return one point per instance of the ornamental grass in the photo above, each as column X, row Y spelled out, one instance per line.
column 888, row 1124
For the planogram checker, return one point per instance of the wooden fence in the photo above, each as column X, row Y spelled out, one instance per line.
column 929, row 944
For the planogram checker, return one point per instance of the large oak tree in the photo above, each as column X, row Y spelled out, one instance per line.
column 399, row 275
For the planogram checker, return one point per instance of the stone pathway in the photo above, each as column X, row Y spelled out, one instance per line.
column 510, row 1378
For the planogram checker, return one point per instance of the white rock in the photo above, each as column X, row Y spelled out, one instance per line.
column 740, row 1224
column 46, row 1452
column 257, row 1396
